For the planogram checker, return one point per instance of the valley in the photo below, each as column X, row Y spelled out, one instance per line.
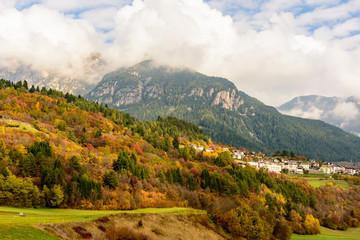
column 60, row 151
column 172, row 119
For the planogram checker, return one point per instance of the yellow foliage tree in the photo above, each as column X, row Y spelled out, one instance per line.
column 37, row 106
column 311, row 224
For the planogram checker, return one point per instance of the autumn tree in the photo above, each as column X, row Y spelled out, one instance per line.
column 312, row 225
column 60, row 124
column 54, row 196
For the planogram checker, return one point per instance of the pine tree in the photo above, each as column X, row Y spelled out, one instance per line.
column 110, row 179
column 32, row 89
column 25, row 84
column 176, row 143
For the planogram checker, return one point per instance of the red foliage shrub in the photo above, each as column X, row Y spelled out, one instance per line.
column 195, row 172
column 138, row 149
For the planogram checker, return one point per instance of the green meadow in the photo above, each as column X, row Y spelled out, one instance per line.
column 11, row 232
column 317, row 180
column 13, row 124
column 14, row 226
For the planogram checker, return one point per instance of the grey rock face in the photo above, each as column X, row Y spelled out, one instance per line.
column 228, row 99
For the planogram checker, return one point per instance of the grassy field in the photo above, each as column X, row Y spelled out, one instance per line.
column 327, row 234
column 9, row 215
column 13, row 226
column 14, row 232
column 20, row 125
column 317, row 180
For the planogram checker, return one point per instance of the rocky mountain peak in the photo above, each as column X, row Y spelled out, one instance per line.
column 148, row 81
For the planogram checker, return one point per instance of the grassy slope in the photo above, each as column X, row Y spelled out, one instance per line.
column 12, row 226
column 21, row 125
column 23, row 232
column 350, row 234
column 10, row 215
column 318, row 182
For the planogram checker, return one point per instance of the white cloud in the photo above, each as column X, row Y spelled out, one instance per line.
column 273, row 50
column 341, row 34
column 76, row 5
column 346, row 28
column 330, row 14
column 7, row 4
column 46, row 40
column 279, row 5
column 345, row 110
column 100, row 18
column 230, row 5
column 190, row 34
column 311, row 113
column 322, row 2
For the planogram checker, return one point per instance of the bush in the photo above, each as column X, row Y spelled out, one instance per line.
column 354, row 222
column 282, row 230
column 60, row 124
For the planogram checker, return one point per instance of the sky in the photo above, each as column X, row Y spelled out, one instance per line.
column 273, row 50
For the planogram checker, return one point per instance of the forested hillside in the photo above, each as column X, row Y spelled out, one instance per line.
column 227, row 115
column 60, row 150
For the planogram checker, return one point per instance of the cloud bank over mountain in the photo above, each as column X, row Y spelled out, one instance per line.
column 341, row 112
column 273, row 50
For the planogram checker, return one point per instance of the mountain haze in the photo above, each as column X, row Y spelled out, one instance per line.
column 147, row 90
column 79, row 83
column 341, row 112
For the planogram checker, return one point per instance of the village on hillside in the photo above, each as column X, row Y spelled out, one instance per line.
column 282, row 164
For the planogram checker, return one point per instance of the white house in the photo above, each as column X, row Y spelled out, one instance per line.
column 350, row 171
column 339, row 169
column 238, row 154
column 274, row 168
column 196, row 147
column 254, row 164
column 305, row 166
column 327, row 169
column 292, row 167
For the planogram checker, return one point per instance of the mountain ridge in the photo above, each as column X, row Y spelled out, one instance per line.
column 228, row 115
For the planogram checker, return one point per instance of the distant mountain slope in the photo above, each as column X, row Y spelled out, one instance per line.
column 341, row 112
column 147, row 90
